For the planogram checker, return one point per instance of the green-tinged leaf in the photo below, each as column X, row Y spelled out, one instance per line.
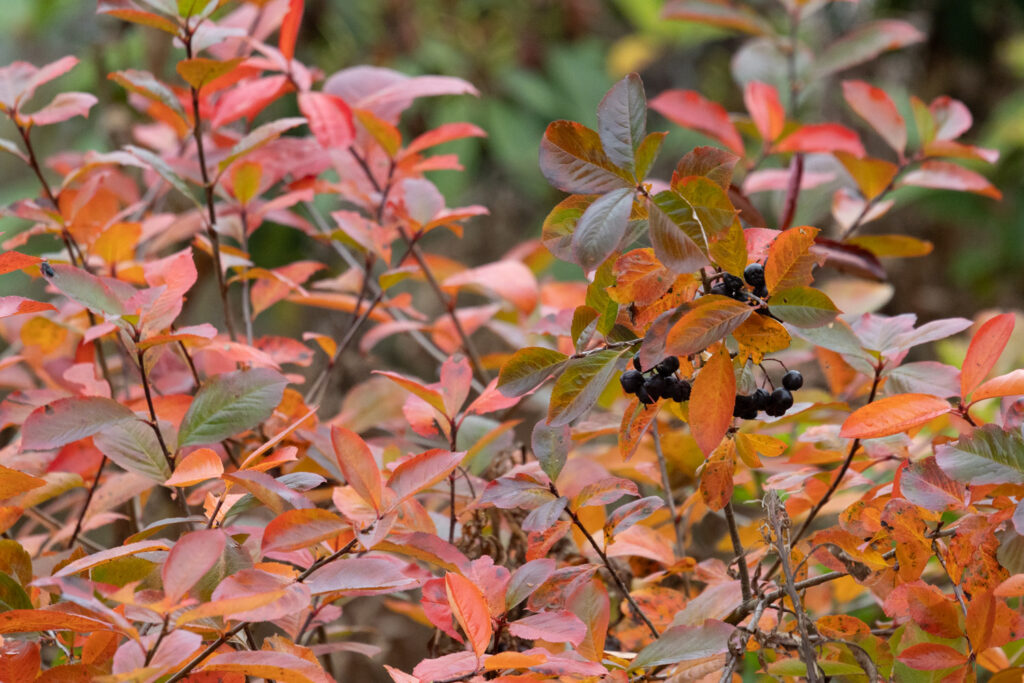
column 579, row 386
column 601, row 228
column 146, row 84
column 571, row 158
column 803, row 307
column 163, row 170
column 527, row 579
column 600, row 300
column 132, row 445
column 527, row 368
column 713, row 163
column 675, row 233
column 864, row 43
column 584, row 323
column 713, row 318
column 259, row 137
column 718, row 220
column 231, row 403
column 683, row 643
column 990, row 455
column 551, row 447
column 622, row 121
column 722, row 15
column 199, row 71
column 12, row 595
column 100, row 294
column 647, row 153
column 431, row 397
column 892, row 246
column 143, row 18
column 15, row 560
column 69, row 419
column 11, row 148
column 796, row 667
column 560, row 224
column 190, row 8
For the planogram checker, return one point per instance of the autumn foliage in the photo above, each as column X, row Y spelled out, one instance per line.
column 183, row 499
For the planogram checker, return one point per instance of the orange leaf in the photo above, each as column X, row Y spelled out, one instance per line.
column 1012, row 587
column 513, row 660
column 295, row 529
column 824, row 138
column 290, row 28
column 12, row 260
column 358, row 465
column 712, row 319
column 981, row 620
column 278, row 666
column 470, row 609
column 1011, row 384
column 711, row 404
column 876, row 107
column 13, row 482
column 50, row 619
column 931, row 657
column 197, row 466
column 716, row 479
column 762, row 101
column 790, row 259
column 892, row 415
column 985, row 349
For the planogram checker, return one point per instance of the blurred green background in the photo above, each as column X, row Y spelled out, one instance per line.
column 539, row 60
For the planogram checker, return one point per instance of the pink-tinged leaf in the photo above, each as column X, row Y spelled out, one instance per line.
column 711, row 402
column 69, row 419
column 297, row 529
column 684, row 643
column 511, row 280
column 572, row 159
column 446, row 132
column 1011, row 384
column 269, row 664
column 762, row 101
column 105, row 556
column 432, row 397
column 956, row 150
column 876, row 107
column 508, row 492
column 18, row 81
column 822, row 138
column 358, row 465
column 605, row 492
column 199, row 465
column 64, row 106
column 777, row 179
column 456, row 381
column 554, row 627
column 717, row 13
column 13, row 260
column 422, row 471
column 635, row 511
column 102, row 294
column 361, row 576
column 454, row 665
column 865, row 43
column 931, row 657
column 945, row 175
column 985, row 348
column 951, row 117
column 192, row 556
column 892, row 415
column 290, row 28
column 18, row 305
column 329, row 118
column 527, row 579
column 490, row 400
column 248, row 99
column 470, row 610
column 690, row 109
column 924, row 484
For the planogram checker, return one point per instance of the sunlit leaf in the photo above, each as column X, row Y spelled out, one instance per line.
column 711, row 402
column 892, row 415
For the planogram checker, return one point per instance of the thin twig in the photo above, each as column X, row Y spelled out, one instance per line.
column 88, row 499
column 737, row 549
column 680, row 545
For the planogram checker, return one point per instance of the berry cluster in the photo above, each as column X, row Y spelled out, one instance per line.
column 733, row 287
column 774, row 404
column 661, row 382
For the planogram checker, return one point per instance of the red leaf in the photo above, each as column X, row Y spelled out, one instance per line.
column 712, row 400
column 877, row 108
column 945, row 175
column 361, row 576
column 986, row 347
column 762, row 101
column 18, row 305
column 555, row 627
column 329, row 118
column 290, row 28
column 64, row 106
column 269, row 664
column 296, row 529
column 423, row 471
column 248, row 99
column 13, row 260
column 892, row 415
column 358, row 465
column 192, row 556
column 824, row 138
column 690, row 109
column 446, row 132
column 931, row 657
column 470, row 609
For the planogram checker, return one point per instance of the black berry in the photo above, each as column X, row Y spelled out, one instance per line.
column 681, row 391
column 744, row 407
column 793, row 380
column 644, row 397
column 631, row 381
column 720, row 289
column 760, row 399
column 779, row 402
column 761, row 292
column 732, row 283
column 636, row 363
column 47, row 269
column 657, row 387
column 667, row 366
column 754, row 275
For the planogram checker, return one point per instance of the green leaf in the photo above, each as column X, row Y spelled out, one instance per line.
column 164, row 171
column 675, row 233
column 133, row 446
column 231, row 403
column 189, row 8
column 584, row 322
column 682, row 643
column 715, row 13
column 865, row 43
column 803, row 307
column 622, row 121
column 67, row 420
column 99, row 294
column 599, row 299
column 577, row 389
column 601, row 228
column 12, row 595
column 527, row 368
column 560, row 224
column 989, row 455
column 571, row 158
column 551, row 447
column 647, row 152
column 146, row 84
column 796, row 667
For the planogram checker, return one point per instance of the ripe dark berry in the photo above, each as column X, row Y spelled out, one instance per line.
column 779, row 402
column 732, row 283
column 631, row 381
column 667, row 366
column 636, row 363
column 760, row 399
column 47, row 269
column 793, row 380
column 657, row 386
column 720, row 289
column 744, row 407
column 754, row 275
column 681, row 391
column 761, row 292
column 644, row 397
